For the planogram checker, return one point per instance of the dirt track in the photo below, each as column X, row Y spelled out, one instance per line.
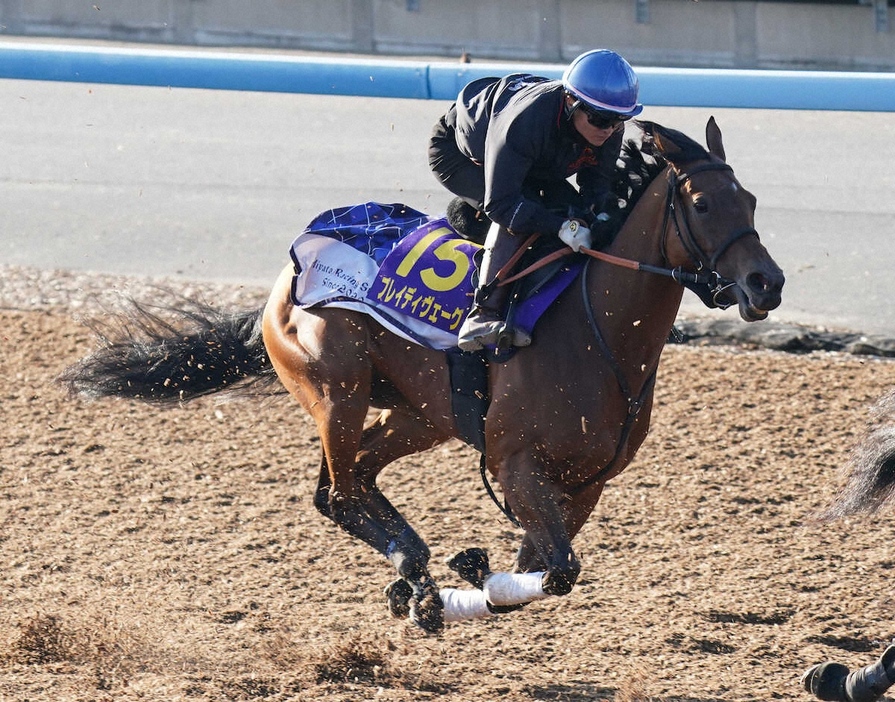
column 176, row 555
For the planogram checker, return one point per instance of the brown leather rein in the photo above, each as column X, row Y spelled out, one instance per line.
column 560, row 253
column 678, row 274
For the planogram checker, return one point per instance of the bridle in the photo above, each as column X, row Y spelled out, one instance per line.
column 705, row 273
column 700, row 259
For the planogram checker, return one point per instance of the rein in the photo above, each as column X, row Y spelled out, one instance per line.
column 679, row 275
column 635, row 404
column 691, row 246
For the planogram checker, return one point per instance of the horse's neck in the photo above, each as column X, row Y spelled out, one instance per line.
column 641, row 306
column 640, row 238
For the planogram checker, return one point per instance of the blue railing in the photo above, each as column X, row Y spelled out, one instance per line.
column 809, row 90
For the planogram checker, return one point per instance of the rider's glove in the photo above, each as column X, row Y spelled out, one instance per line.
column 602, row 230
column 574, row 234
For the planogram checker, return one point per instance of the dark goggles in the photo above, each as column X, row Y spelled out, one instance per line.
column 602, row 119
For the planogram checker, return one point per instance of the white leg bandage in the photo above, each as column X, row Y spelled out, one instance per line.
column 460, row 605
column 514, row 588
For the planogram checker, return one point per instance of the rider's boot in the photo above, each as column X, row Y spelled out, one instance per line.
column 485, row 324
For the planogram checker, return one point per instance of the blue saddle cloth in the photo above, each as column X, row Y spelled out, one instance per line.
column 412, row 272
column 372, row 228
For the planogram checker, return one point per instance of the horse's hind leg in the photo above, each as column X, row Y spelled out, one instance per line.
column 348, row 496
column 392, row 435
column 322, row 357
column 380, row 510
column 396, row 433
column 401, row 592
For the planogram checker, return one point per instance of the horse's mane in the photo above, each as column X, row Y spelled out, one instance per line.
column 641, row 161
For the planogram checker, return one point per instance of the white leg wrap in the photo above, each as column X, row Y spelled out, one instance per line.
column 514, row 588
column 460, row 605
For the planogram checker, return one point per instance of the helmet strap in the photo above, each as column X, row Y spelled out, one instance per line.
column 569, row 110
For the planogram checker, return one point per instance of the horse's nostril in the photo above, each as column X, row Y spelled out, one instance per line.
column 758, row 283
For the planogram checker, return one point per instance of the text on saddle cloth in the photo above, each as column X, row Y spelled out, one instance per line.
column 412, row 273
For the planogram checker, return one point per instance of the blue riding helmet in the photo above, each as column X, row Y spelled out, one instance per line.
column 604, row 81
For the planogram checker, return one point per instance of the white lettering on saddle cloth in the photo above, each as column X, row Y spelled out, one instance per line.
column 422, row 291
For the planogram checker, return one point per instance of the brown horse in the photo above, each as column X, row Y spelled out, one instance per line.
column 566, row 414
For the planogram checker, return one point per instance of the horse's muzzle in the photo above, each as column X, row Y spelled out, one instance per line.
column 759, row 293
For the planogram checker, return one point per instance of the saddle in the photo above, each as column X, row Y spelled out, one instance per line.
column 414, row 275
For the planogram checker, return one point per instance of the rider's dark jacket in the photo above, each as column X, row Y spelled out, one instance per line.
column 518, row 129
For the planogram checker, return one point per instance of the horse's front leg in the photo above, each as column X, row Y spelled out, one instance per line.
column 576, row 510
column 545, row 564
column 546, row 513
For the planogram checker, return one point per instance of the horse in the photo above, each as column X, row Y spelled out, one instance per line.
column 566, row 414
column 868, row 488
column 870, row 471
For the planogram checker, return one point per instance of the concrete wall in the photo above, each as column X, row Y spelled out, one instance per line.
column 709, row 33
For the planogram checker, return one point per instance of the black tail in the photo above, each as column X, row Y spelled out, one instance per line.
column 173, row 354
column 871, row 479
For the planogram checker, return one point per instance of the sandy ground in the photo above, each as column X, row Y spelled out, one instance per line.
column 177, row 555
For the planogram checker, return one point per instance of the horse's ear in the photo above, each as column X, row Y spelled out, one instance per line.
column 713, row 139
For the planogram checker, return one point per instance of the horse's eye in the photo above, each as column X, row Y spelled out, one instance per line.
column 700, row 206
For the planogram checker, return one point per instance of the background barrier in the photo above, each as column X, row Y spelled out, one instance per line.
column 761, row 89
column 832, row 35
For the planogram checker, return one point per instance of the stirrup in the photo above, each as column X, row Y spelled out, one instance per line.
column 504, row 340
column 508, row 337
column 499, row 335
column 521, row 338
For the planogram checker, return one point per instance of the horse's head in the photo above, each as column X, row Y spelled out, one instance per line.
column 710, row 220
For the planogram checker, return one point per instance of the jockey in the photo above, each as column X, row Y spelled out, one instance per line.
column 506, row 148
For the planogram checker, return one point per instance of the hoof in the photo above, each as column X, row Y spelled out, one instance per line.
column 471, row 565
column 506, row 609
column 560, row 582
column 826, row 681
column 398, row 594
column 427, row 609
